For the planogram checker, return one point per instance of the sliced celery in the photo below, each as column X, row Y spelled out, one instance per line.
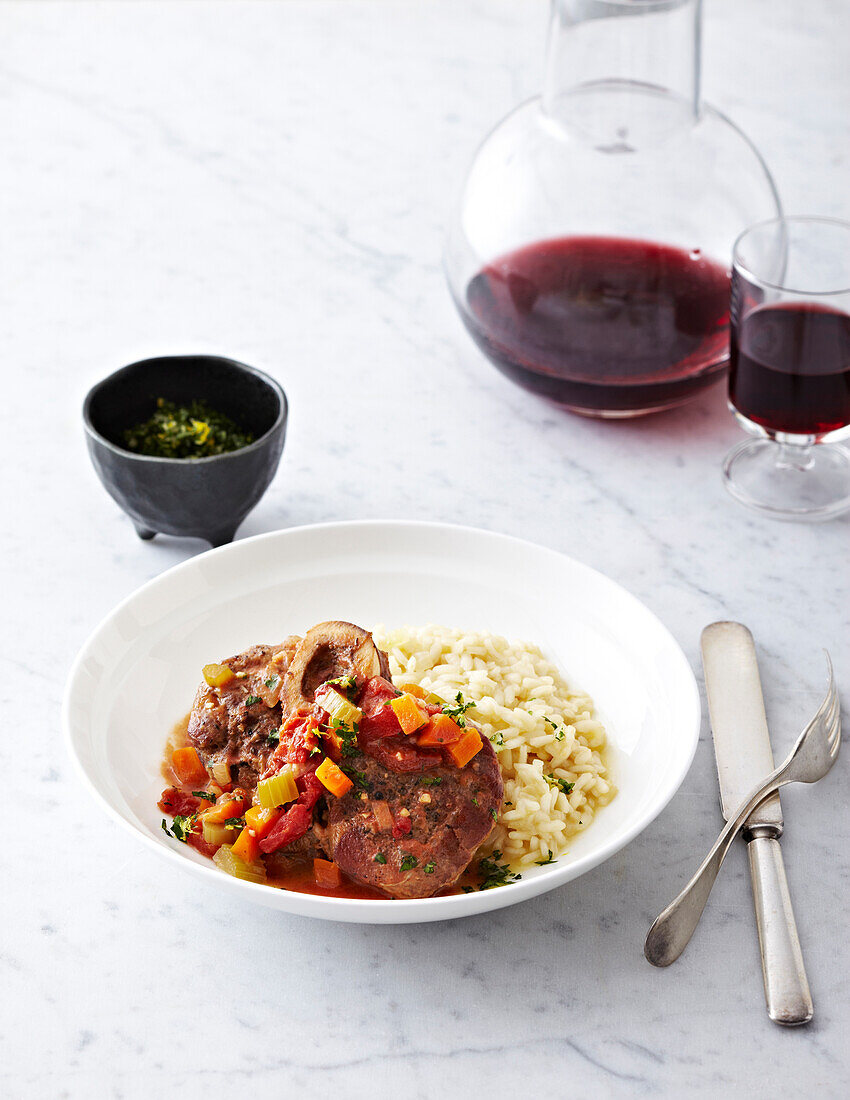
column 278, row 790
column 338, row 707
column 214, row 833
column 233, row 865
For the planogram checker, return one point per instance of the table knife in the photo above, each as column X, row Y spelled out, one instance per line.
column 744, row 757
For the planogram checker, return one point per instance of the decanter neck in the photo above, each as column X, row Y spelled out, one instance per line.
column 623, row 72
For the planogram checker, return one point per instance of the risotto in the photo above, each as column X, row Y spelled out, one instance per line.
column 547, row 738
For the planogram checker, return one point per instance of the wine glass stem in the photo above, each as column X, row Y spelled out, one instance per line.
column 795, row 452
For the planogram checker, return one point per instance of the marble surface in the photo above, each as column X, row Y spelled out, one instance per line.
column 271, row 181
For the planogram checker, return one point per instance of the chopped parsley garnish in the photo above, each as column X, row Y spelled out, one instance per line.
column 357, row 778
column 234, row 823
column 181, row 826
column 475, row 802
column 346, row 684
column 543, row 862
column 493, row 873
column 457, row 709
column 560, row 732
column 380, row 858
column 497, row 739
column 185, row 431
column 274, row 737
column 556, row 781
column 430, row 867
column 204, row 794
column 494, row 813
column 409, row 862
column 251, row 699
column 273, row 681
column 431, row 781
column 347, row 736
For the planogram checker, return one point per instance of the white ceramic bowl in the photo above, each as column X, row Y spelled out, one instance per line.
column 136, row 675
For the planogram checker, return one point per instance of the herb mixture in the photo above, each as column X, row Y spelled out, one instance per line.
column 185, row 431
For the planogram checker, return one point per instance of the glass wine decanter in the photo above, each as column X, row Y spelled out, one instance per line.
column 590, row 254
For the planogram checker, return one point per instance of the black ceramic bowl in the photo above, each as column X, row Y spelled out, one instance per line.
column 204, row 498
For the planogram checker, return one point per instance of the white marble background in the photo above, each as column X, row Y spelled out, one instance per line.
column 271, row 181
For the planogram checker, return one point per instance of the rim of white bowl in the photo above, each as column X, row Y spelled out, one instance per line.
column 381, row 911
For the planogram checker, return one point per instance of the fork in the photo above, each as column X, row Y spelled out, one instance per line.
column 811, row 758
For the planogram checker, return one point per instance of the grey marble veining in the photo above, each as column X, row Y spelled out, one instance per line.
column 272, row 181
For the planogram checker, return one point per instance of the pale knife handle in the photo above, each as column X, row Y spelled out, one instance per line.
column 786, row 987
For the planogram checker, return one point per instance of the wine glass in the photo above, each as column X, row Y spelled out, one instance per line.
column 789, row 379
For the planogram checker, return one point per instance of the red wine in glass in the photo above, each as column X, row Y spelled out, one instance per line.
column 603, row 325
column 789, row 381
column 790, row 368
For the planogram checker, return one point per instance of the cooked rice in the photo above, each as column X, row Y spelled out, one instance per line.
column 515, row 688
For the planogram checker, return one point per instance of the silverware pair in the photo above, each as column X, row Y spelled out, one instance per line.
column 742, row 749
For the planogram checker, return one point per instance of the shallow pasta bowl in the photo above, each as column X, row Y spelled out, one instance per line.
column 136, row 675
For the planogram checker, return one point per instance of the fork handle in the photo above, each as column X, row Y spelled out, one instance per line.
column 673, row 927
column 786, row 988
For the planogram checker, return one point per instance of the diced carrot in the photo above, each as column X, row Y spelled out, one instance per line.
column 410, row 716
column 415, row 689
column 326, row 873
column 246, row 846
column 462, row 751
column 221, row 811
column 260, row 821
column 188, row 767
column 332, row 777
column 441, row 730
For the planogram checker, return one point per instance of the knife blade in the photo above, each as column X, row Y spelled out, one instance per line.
column 742, row 748
column 744, row 757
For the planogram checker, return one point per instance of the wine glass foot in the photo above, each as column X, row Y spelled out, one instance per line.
column 789, row 481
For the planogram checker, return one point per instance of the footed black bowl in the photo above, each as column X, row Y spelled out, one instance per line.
column 205, row 498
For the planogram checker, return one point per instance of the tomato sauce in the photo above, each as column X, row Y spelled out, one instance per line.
column 300, row 878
